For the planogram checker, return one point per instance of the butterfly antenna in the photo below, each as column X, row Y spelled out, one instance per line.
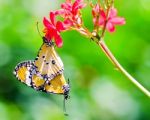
column 64, row 106
column 69, row 83
column 37, row 25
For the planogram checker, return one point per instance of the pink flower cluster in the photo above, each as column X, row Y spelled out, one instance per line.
column 70, row 12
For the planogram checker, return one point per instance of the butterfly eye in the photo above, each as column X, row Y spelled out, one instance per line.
column 53, row 62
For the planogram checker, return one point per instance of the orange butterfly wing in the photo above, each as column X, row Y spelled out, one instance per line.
column 48, row 62
column 22, row 72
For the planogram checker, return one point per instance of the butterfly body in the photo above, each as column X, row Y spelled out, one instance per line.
column 45, row 73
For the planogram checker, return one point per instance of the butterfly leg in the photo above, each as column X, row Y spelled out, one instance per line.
column 66, row 89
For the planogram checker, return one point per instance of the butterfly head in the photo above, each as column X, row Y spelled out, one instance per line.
column 48, row 42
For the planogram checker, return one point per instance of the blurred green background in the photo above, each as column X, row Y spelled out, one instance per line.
column 98, row 91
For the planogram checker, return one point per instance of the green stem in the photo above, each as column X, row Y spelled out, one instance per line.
column 105, row 49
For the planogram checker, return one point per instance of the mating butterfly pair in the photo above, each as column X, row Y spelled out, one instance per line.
column 45, row 73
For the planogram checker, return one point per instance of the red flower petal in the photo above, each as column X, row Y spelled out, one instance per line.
column 101, row 21
column 118, row 21
column 78, row 4
column 58, row 40
column 46, row 23
column 60, row 12
column 68, row 23
column 110, row 27
column 66, row 6
column 60, row 26
column 102, row 14
column 48, row 36
column 113, row 13
column 52, row 17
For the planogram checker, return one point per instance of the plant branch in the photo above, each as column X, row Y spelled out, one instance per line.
column 107, row 52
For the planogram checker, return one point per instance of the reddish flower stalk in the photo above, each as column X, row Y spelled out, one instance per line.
column 103, row 18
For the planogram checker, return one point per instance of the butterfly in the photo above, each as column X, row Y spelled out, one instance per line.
column 45, row 73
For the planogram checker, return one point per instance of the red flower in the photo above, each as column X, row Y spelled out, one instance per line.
column 70, row 11
column 52, row 29
column 111, row 20
column 72, row 8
